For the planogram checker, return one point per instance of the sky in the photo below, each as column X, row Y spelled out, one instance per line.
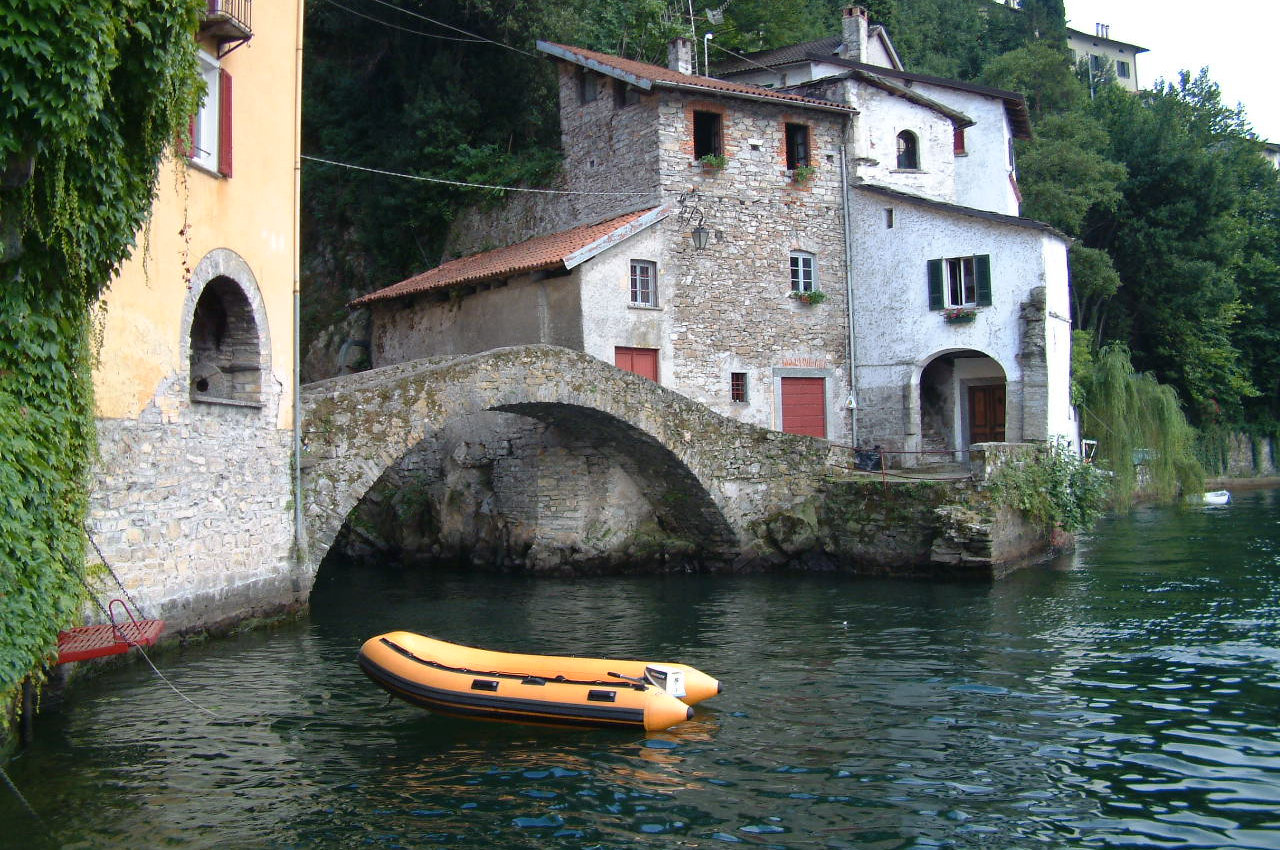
column 1236, row 39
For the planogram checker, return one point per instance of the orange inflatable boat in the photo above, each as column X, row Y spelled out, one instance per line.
column 448, row 678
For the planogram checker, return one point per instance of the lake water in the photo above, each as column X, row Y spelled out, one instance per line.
column 1128, row 695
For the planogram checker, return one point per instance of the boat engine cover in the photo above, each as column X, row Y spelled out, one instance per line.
column 669, row 679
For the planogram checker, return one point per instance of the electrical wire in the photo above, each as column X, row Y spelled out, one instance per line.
column 463, row 183
column 404, row 29
column 469, row 34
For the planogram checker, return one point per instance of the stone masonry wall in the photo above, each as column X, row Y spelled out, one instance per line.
column 731, row 305
column 196, row 517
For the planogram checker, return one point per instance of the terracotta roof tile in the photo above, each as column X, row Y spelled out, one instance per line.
column 658, row 75
column 541, row 252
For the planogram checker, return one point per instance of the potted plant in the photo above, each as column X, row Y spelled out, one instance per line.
column 712, row 161
column 809, row 296
column 802, row 174
column 959, row 315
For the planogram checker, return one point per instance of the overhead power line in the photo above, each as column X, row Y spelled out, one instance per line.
column 462, row 183
column 349, row 10
column 471, row 36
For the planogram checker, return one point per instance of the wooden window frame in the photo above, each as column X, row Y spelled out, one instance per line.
column 643, row 277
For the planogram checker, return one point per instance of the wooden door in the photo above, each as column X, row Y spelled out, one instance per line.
column 804, row 406
column 642, row 361
column 986, row 414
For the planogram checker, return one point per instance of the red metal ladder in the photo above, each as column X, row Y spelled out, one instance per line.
column 85, row 642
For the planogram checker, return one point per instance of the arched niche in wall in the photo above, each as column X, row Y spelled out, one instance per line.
column 908, row 151
column 227, row 343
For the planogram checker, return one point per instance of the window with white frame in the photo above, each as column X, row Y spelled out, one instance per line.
column 644, row 283
column 960, row 282
column 804, row 276
column 211, row 125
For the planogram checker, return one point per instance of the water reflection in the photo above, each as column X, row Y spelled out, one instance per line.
column 1125, row 696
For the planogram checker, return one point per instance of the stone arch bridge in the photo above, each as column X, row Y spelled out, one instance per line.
column 713, row 478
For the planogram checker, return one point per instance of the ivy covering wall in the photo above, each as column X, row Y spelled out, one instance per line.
column 91, row 94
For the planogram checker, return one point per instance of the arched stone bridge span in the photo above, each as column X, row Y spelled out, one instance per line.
column 709, row 476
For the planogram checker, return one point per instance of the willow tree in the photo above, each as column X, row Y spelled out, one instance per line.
column 1143, row 435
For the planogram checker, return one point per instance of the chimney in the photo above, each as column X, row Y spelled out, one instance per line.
column 680, row 55
column 853, row 41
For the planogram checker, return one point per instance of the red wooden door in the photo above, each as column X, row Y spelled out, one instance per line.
column 642, row 361
column 986, row 414
column 804, row 406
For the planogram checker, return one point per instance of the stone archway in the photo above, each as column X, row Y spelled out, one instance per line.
column 707, row 476
column 960, row 398
column 226, row 338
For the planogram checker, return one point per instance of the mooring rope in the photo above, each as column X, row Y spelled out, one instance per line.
column 137, row 608
column 23, row 800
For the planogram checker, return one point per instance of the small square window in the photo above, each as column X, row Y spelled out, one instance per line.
column 644, row 283
column 803, row 276
column 624, row 95
column 1122, row 69
column 738, row 387
column 588, row 86
column 797, row 146
column 708, row 136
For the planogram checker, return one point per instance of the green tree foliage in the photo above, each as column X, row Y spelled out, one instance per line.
column 91, row 93
column 1140, row 428
column 1176, row 239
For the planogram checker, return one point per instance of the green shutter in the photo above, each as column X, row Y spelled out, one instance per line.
column 935, row 285
column 982, row 267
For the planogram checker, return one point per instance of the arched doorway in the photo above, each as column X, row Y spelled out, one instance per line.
column 962, row 401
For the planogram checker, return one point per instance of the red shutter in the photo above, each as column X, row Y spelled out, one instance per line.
column 189, row 149
column 958, row 140
column 804, row 406
column 642, row 361
column 224, row 123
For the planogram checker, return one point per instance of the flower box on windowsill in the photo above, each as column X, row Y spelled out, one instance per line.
column 812, row 296
column 959, row 315
column 712, row 162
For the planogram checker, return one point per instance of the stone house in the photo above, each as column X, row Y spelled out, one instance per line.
column 193, row 502
column 819, row 167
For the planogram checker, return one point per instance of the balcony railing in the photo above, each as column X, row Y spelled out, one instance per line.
column 229, row 22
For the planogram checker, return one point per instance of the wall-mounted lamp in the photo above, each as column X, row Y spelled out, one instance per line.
column 691, row 213
column 701, row 236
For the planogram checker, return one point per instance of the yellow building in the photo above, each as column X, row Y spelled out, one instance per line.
column 193, row 503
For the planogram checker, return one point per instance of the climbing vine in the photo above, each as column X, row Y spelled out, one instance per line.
column 91, row 94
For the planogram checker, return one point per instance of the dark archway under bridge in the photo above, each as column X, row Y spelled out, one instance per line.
column 707, row 478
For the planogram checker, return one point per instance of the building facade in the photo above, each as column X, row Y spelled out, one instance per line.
column 193, row 498
column 1105, row 55
column 940, row 318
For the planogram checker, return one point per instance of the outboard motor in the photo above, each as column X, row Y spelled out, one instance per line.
column 669, row 679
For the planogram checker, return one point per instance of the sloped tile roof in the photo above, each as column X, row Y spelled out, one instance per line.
column 539, row 253
column 779, row 56
column 646, row 76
